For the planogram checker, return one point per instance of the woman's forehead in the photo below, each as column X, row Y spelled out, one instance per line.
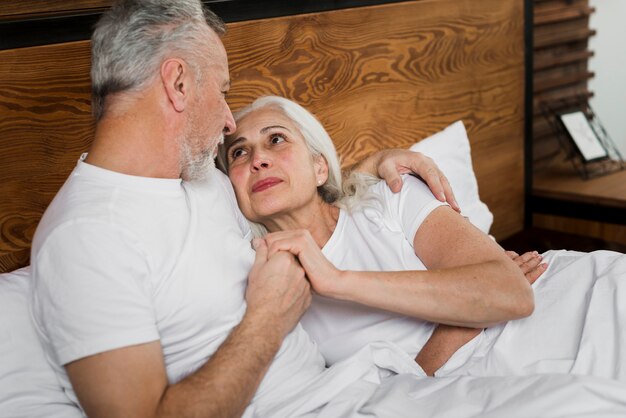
column 257, row 120
column 263, row 114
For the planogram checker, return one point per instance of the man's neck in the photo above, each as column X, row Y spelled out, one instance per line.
column 135, row 144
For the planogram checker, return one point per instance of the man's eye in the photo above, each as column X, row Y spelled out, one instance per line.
column 277, row 139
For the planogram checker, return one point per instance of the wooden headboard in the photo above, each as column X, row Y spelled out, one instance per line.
column 376, row 76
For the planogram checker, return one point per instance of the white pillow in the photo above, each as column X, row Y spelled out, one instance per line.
column 28, row 385
column 450, row 149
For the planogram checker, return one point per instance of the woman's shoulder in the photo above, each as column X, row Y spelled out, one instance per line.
column 411, row 187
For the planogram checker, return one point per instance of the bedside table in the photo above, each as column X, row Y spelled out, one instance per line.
column 596, row 208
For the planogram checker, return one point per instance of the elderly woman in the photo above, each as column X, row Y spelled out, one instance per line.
column 384, row 266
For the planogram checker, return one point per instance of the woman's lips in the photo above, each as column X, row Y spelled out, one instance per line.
column 264, row 184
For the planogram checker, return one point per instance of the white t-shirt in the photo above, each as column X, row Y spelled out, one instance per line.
column 120, row 260
column 373, row 239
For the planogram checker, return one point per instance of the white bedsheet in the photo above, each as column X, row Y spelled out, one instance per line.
column 567, row 360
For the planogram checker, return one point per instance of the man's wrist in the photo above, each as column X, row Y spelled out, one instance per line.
column 265, row 324
column 369, row 164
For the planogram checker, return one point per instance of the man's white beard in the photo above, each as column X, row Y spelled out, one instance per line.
column 199, row 166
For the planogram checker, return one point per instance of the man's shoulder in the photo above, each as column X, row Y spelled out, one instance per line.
column 78, row 199
column 85, row 201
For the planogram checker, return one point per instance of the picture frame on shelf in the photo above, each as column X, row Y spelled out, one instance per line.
column 586, row 141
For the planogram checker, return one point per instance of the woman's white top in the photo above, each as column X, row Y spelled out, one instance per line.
column 373, row 239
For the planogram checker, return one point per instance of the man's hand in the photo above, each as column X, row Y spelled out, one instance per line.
column 132, row 381
column 389, row 164
column 530, row 264
column 277, row 289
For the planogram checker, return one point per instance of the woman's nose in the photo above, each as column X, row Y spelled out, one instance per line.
column 260, row 162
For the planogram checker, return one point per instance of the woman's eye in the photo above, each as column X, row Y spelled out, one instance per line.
column 277, row 139
column 237, row 152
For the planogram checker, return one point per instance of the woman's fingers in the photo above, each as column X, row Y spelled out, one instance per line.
column 530, row 263
column 512, row 255
column 536, row 272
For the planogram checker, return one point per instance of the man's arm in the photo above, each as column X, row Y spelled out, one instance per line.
column 390, row 164
column 447, row 339
column 132, row 382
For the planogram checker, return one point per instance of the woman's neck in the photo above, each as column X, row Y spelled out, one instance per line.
column 319, row 218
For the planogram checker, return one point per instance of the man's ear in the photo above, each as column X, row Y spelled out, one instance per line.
column 321, row 169
column 175, row 77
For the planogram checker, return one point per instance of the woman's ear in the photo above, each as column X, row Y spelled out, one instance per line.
column 321, row 169
column 175, row 77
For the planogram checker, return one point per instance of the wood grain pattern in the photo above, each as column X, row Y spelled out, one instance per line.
column 19, row 9
column 45, row 124
column 374, row 84
column 605, row 231
column 561, row 181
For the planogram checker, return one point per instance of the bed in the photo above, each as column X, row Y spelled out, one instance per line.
column 377, row 76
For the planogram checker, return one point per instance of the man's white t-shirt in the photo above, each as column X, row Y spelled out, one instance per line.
column 373, row 238
column 121, row 260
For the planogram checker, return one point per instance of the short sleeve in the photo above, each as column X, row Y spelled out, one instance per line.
column 92, row 291
column 412, row 205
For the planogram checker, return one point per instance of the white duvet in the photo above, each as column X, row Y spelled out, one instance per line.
column 568, row 359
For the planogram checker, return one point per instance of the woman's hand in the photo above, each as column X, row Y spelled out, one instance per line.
column 322, row 274
column 389, row 164
column 530, row 264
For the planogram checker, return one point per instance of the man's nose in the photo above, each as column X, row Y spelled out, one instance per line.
column 229, row 126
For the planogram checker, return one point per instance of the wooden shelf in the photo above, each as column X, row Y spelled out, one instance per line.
column 560, row 14
column 561, row 181
column 565, row 95
column 557, row 38
column 541, row 239
column 560, row 81
column 545, row 63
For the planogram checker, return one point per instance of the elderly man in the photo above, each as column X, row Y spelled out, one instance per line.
column 147, row 295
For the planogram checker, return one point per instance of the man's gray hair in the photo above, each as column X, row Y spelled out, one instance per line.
column 132, row 39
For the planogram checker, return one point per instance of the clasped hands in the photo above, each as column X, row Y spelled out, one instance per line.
column 289, row 263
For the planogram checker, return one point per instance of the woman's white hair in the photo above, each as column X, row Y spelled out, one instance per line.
column 350, row 195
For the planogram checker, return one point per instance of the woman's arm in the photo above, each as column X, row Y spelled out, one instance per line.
column 470, row 282
column 447, row 339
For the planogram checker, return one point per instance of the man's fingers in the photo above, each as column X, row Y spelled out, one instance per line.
column 449, row 194
column 391, row 176
column 440, row 186
column 260, row 247
column 433, row 180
